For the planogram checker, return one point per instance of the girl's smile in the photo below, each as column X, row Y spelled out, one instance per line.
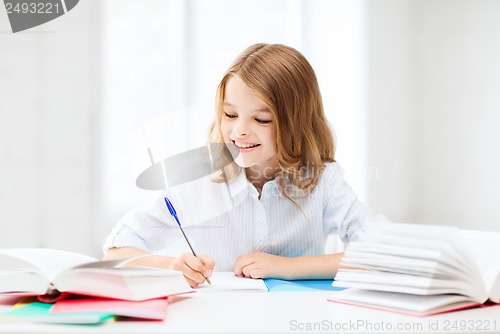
column 245, row 147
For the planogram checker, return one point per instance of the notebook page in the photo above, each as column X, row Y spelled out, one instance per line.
column 227, row 281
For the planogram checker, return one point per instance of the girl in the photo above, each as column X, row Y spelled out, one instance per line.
column 269, row 110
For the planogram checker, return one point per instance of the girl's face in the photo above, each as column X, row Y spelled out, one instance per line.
column 247, row 127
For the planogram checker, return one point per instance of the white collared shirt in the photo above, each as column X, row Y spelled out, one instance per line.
column 224, row 227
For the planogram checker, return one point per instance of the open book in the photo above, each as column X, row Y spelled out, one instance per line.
column 420, row 269
column 48, row 273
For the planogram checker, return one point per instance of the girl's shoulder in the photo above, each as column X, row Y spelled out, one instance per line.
column 332, row 171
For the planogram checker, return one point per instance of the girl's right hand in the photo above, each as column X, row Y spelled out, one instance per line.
column 195, row 269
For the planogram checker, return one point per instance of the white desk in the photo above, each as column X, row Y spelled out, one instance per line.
column 278, row 312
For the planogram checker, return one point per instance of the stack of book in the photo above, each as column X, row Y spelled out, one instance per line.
column 420, row 269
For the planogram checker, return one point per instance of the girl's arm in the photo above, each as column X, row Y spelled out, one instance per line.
column 195, row 269
column 264, row 265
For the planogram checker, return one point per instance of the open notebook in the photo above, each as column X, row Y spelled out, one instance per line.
column 227, row 281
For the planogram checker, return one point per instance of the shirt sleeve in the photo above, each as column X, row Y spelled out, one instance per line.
column 343, row 213
column 149, row 228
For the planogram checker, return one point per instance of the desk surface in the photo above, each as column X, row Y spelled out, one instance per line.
column 279, row 312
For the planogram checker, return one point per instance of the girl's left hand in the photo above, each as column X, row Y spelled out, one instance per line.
column 261, row 265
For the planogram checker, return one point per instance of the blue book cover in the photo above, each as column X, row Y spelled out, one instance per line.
column 274, row 284
column 40, row 312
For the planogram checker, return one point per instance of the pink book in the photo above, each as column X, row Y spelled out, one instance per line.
column 152, row 309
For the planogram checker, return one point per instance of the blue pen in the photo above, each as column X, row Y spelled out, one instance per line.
column 174, row 214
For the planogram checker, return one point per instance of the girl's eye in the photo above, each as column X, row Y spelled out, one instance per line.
column 230, row 115
column 263, row 121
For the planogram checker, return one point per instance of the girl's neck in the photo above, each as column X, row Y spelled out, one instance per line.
column 259, row 174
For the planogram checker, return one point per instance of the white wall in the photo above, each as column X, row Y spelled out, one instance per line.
column 434, row 111
column 49, row 132
column 458, row 100
column 391, row 72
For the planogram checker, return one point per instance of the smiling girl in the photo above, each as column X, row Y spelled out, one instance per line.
column 270, row 115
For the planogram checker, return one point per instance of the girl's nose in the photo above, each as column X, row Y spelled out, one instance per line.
column 241, row 129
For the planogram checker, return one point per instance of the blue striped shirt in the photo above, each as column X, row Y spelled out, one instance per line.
column 224, row 226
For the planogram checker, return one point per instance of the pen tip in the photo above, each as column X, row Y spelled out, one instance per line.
column 208, row 281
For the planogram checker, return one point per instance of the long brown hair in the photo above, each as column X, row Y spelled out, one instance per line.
column 285, row 81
